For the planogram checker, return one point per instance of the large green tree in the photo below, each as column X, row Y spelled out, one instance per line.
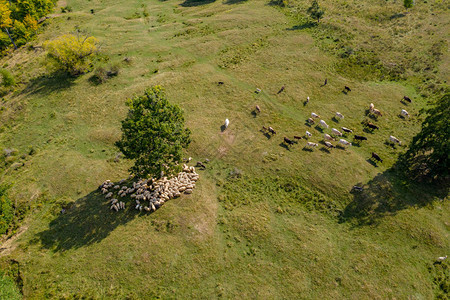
column 429, row 152
column 153, row 134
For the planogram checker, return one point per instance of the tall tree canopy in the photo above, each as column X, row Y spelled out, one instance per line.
column 430, row 149
column 153, row 134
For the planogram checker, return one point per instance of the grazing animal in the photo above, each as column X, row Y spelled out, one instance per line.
column 308, row 134
column 371, row 107
column 372, row 126
column 271, row 130
column 227, row 122
column 311, row 145
column 406, row 98
column 329, row 145
column 264, row 128
column 326, row 81
column 344, row 142
column 200, row 165
column 327, row 137
column 281, row 90
column 360, row 138
column 347, row 130
column 404, row 113
column 377, row 112
column 339, row 115
column 376, row 157
column 221, row 83
column 258, row 90
column 288, row 141
column 336, row 132
column 346, row 88
column 258, row 109
column 310, row 120
column 441, row 258
column 394, row 139
column 314, row 115
column 357, row 188
column 307, row 100
column 297, row 137
column 323, row 124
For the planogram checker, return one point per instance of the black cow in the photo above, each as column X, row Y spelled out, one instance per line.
column 372, row 126
column 347, row 89
column 281, row 90
column 406, row 98
column 297, row 137
column 288, row 141
column 360, row 138
column 376, row 157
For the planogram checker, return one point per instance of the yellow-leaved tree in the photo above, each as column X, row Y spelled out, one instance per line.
column 73, row 53
column 5, row 19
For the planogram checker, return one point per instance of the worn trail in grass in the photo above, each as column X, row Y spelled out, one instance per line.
column 264, row 220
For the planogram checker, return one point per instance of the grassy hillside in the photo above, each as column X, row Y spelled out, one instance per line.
column 264, row 221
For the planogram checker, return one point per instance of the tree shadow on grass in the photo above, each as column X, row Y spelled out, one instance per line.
column 192, row 3
column 233, row 1
column 47, row 84
column 387, row 193
column 303, row 26
column 89, row 220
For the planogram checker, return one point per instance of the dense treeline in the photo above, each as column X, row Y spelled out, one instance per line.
column 19, row 20
column 430, row 150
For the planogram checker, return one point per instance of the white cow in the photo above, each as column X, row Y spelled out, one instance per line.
column 314, row 115
column 227, row 122
column 394, row 139
column 323, row 124
column 328, row 137
column 308, row 134
column 339, row 115
column 312, row 145
column 344, row 142
column 336, row 132
column 404, row 113
column 347, row 130
column 371, row 107
column 329, row 145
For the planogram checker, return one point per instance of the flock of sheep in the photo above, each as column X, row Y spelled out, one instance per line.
column 156, row 192
column 335, row 133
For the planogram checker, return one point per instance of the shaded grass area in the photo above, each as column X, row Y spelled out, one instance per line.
column 81, row 224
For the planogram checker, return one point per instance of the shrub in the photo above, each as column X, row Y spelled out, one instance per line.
column 6, row 210
column 7, row 80
column 72, row 53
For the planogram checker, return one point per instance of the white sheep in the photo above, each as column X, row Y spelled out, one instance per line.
column 227, row 122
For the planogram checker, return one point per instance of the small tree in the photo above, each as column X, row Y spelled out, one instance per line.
column 408, row 3
column 72, row 53
column 315, row 11
column 153, row 134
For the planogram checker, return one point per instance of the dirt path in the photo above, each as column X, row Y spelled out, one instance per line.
column 8, row 245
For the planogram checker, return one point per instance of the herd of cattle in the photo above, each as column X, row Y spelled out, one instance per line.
column 335, row 133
